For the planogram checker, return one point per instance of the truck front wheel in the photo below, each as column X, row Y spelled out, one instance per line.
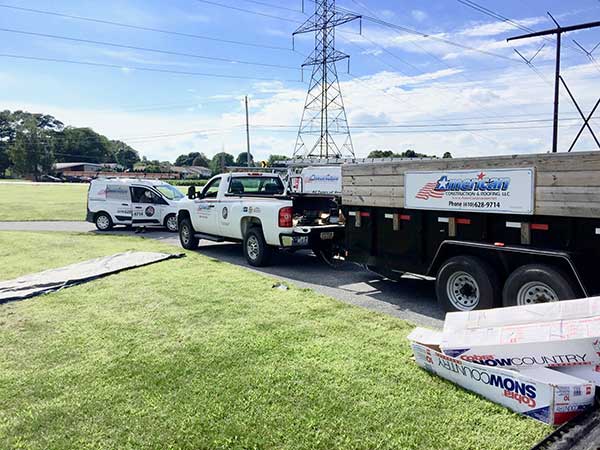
column 186, row 235
column 256, row 250
column 465, row 283
column 536, row 283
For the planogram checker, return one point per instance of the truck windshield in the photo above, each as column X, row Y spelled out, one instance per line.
column 170, row 192
column 258, row 185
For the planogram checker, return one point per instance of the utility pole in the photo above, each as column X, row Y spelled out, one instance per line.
column 247, row 134
column 558, row 31
column 324, row 116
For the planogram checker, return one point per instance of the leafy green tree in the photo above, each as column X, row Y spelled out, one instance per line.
column 277, row 158
column 220, row 161
column 186, row 160
column 31, row 151
column 447, row 155
column 5, row 139
column 381, row 154
column 242, row 159
column 83, row 145
column 201, row 160
column 124, row 154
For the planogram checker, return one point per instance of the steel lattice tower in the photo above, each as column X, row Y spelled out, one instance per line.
column 324, row 130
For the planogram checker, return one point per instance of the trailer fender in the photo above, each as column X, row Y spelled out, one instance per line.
column 505, row 259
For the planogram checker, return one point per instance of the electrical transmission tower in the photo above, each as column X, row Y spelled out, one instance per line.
column 324, row 130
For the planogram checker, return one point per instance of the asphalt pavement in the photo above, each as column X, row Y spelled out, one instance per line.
column 410, row 298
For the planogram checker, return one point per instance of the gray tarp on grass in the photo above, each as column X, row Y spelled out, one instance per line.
column 55, row 279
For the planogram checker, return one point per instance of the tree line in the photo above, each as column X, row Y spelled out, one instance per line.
column 30, row 144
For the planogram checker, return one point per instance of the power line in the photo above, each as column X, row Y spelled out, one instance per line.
column 136, row 27
column 426, row 125
column 498, row 16
column 141, row 69
column 430, row 36
column 249, row 11
column 145, row 49
column 271, row 5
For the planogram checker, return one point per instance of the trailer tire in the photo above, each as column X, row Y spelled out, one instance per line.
column 186, row 235
column 465, row 283
column 103, row 221
column 536, row 283
column 256, row 250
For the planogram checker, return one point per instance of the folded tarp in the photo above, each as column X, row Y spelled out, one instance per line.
column 55, row 279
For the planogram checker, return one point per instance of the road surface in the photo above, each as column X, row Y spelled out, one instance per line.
column 411, row 298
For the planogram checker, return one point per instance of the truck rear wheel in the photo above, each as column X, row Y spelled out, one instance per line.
column 536, row 283
column 256, row 250
column 186, row 235
column 465, row 283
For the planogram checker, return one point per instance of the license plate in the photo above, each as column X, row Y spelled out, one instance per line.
column 327, row 235
column 301, row 240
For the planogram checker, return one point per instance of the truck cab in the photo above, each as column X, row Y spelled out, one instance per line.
column 256, row 209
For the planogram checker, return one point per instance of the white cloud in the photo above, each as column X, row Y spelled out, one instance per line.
column 419, row 15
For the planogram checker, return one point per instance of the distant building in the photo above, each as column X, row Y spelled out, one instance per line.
column 192, row 171
column 78, row 167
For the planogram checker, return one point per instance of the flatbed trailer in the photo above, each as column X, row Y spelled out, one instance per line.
column 493, row 231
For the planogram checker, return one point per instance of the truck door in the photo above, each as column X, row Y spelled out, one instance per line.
column 148, row 207
column 206, row 212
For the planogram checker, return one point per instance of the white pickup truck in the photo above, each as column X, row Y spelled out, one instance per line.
column 258, row 210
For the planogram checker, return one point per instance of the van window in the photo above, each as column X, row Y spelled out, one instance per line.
column 117, row 192
column 143, row 195
column 170, row 192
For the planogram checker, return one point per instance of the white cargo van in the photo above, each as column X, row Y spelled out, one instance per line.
column 132, row 202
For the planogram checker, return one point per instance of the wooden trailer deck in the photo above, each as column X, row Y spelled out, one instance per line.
column 566, row 184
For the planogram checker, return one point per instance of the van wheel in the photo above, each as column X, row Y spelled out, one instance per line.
column 103, row 221
column 256, row 250
column 171, row 223
column 186, row 235
column 465, row 283
column 536, row 283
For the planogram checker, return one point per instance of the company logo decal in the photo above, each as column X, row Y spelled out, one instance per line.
column 225, row 212
column 149, row 211
column 519, row 391
column 437, row 189
column 327, row 177
column 543, row 360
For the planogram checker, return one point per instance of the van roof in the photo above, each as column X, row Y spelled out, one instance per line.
column 129, row 181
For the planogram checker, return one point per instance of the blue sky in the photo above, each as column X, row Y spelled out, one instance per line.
column 396, row 78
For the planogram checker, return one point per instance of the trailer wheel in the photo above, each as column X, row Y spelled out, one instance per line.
column 256, row 250
column 103, row 221
column 465, row 283
column 186, row 235
column 536, row 283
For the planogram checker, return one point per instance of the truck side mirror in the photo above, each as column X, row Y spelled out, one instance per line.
column 191, row 192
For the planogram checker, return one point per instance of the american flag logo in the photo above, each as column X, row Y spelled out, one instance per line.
column 428, row 191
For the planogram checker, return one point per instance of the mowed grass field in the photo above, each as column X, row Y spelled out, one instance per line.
column 195, row 353
column 45, row 201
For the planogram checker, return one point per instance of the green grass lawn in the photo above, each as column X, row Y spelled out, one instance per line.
column 199, row 354
column 45, row 201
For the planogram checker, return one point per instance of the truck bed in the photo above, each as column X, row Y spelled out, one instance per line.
column 566, row 184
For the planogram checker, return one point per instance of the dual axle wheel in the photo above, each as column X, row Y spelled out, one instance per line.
column 465, row 283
